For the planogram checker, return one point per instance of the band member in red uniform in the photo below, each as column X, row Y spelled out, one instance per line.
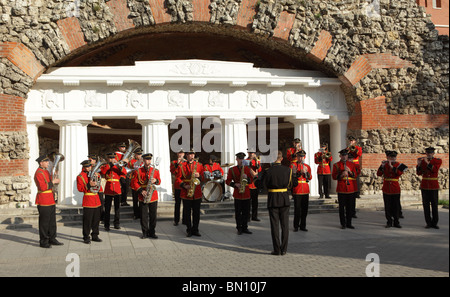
column 239, row 178
column 300, row 193
column 46, row 204
column 94, row 159
column 354, row 181
column 428, row 168
column 391, row 170
column 174, row 167
column 113, row 190
column 255, row 169
column 356, row 152
column 135, row 164
column 122, row 148
column 323, row 158
column 189, row 177
column 344, row 172
column 91, row 203
column 147, row 204
column 290, row 153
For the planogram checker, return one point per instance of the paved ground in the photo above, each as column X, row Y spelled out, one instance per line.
column 325, row 250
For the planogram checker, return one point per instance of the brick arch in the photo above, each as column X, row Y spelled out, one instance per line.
column 21, row 63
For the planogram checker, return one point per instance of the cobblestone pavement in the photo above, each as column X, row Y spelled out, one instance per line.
column 325, row 250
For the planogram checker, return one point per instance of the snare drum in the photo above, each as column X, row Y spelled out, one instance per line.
column 212, row 191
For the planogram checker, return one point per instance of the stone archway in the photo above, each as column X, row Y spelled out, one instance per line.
column 392, row 61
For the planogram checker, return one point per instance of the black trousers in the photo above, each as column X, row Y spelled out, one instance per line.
column 148, row 217
column 191, row 214
column 279, row 216
column 324, row 184
column 241, row 212
column 91, row 221
column 124, row 186
column 430, row 197
column 176, row 212
column 346, row 202
column 391, row 208
column 254, row 203
column 47, row 223
column 136, row 205
column 108, row 203
column 301, row 203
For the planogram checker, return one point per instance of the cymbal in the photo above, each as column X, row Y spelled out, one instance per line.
column 227, row 165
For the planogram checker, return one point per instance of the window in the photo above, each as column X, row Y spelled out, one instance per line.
column 437, row 4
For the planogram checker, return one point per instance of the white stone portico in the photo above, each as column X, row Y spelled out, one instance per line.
column 156, row 93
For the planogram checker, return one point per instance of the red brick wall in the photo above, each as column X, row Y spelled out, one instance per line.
column 18, row 167
column 22, row 57
column 201, row 10
column 120, row 11
column 159, row 12
column 284, row 26
column 12, row 118
column 246, row 13
column 71, row 31
column 320, row 49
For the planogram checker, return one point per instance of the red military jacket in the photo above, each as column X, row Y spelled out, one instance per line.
column 429, row 174
column 290, row 155
column 44, row 184
column 343, row 186
column 324, row 163
column 139, row 182
column 391, row 176
column 91, row 200
column 184, row 174
column 356, row 154
column 113, row 175
column 303, row 179
column 234, row 176
column 255, row 165
column 174, row 167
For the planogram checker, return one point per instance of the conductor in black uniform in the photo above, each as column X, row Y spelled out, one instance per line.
column 278, row 179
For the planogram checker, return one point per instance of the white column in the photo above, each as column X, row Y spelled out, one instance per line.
column 155, row 140
column 308, row 132
column 33, row 143
column 73, row 144
column 338, row 132
column 234, row 140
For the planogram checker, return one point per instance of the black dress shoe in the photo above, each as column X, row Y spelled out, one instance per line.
column 435, row 226
column 144, row 236
column 239, row 232
column 189, row 234
column 87, row 241
column 117, row 227
column 256, row 219
column 350, row 227
column 283, row 253
column 397, row 226
column 246, row 231
column 304, row 229
column 96, row 239
column 45, row 246
column 275, row 253
column 295, row 229
column 55, row 242
column 153, row 236
column 196, row 233
column 175, row 223
column 342, row 227
column 107, row 229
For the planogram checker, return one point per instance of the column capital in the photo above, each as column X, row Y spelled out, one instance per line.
column 304, row 120
column 153, row 120
column 82, row 120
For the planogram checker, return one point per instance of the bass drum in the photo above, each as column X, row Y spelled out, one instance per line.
column 212, row 192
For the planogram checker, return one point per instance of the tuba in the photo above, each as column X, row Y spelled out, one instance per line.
column 150, row 186
column 132, row 146
column 194, row 181
column 93, row 176
column 58, row 158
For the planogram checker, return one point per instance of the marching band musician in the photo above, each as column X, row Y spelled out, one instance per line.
column 391, row 170
column 188, row 171
column 45, row 202
column 122, row 147
column 428, row 168
column 174, row 167
column 255, row 169
column 345, row 171
column 290, row 153
column 356, row 152
column 93, row 159
column 113, row 189
column 134, row 164
column 354, row 181
column 300, row 193
column 139, row 183
column 91, row 204
column 323, row 158
column 236, row 174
